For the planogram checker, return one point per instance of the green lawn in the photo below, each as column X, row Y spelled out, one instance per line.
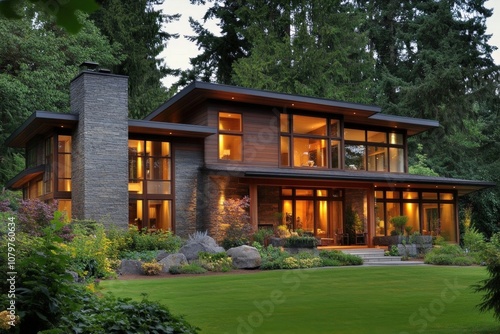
column 397, row 299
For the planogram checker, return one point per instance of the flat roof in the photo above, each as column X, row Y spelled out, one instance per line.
column 198, row 92
column 40, row 122
column 169, row 129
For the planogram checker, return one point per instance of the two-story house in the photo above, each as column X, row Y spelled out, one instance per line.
column 306, row 162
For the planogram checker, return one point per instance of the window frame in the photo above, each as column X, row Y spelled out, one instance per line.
column 233, row 133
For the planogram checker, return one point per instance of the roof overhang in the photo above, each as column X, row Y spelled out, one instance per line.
column 198, row 92
column 24, row 177
column 374, row 179
column 40, row 122
column 169, row 129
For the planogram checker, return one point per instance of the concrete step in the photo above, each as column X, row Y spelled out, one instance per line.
column 381, row 259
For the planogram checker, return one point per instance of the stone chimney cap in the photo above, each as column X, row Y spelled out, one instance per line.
column 89, row 65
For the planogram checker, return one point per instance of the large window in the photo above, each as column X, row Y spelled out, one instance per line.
column 150, row 184
column 49, row 156
column 308, row 141
column 429, row 213
column 230, row 136
column 374, row 150
column 149, row 167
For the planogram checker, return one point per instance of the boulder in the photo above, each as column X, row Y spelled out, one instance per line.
column 245, row 257
column 131, row 267
column 177, row 259
column 194, row 246
column 161, row 255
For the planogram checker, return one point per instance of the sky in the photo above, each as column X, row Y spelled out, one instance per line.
column 180, row 50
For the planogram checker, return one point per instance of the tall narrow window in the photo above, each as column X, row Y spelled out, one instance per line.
column 230, row 136
column 64, row 163
column 49, row 157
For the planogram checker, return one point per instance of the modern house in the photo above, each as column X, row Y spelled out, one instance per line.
column 306, row 162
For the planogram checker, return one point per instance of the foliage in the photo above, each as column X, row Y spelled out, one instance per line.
column 45, row 289
column 399, row 223
column 219, row 262
column 282, row 231
column 421, row 167
column 272, row 257
column 140, row 28
column 491, row 286
column 473, row 240
column 145, row 256
column 37, row 61
column 89, row 250
column 394, row 251
column 63, row 11
column 343, row 258
column 262, row 235
column 157, row 240
column 448, row 254
column 9, row 200
column 234, row 222
column 301, row 242
column 34, row 215
column 353, row 223
column 151, row 268
column 196, row 237
column 110, row 315
column 192, row 268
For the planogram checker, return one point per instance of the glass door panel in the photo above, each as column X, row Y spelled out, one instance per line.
column 322, row 230
column 304, row 216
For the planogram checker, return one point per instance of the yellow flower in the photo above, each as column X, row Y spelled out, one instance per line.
column 5, row 320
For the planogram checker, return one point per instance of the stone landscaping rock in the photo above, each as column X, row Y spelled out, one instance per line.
column 161, row 255
column 205, row 244
column 177, row 259
column 245, row 257
column 131, row 267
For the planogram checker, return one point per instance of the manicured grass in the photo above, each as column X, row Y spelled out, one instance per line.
column 409, row 299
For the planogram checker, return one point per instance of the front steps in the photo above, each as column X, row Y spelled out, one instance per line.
column 375, row 256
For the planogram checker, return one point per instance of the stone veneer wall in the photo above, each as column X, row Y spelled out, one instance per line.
column 216, row 186
column 100, row 151
column 188, row 161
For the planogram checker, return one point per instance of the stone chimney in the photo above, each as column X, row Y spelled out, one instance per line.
column 100, row 146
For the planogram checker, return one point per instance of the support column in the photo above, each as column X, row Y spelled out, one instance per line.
column 370, row 197
column 254, row 207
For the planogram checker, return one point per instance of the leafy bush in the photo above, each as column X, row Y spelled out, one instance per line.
column 301, row 242
column 262, row 234
column 157, row 240
column 111, row 315
column 473, row 240
column 272, row 257
column 89, row 250
column 46, row 291
column 343, row 258
column 34, row 215
column 234, row 223
column 152, row 268
column 394, row 251
column 219, row 262
column 145, row 256
column 448, row 254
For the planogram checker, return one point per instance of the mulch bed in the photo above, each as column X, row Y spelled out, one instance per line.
column 208, row 273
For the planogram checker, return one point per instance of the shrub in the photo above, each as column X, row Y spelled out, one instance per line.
column 473, row 240
column 399, row 223
column 234, row 222
column 151, row 268
column 343, row 258
column 272, row 257
column 144, row 256
column 89, row 250
column 157, row 240
column 301, row 242
column 394, row 251
column 262, row 234
column 34, row 215
column 448, row 254
column 118, row 315
column 290, row 263
column 215, row 261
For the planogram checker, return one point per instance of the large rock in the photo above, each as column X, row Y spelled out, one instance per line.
column 131, row 267
column 245, row 257
column 177, row 259
column 205, row 244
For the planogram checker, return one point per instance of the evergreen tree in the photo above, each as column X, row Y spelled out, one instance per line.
column 37, row 61
column 137, row 25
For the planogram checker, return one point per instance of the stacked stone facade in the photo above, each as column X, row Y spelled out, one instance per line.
column 100, row 149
